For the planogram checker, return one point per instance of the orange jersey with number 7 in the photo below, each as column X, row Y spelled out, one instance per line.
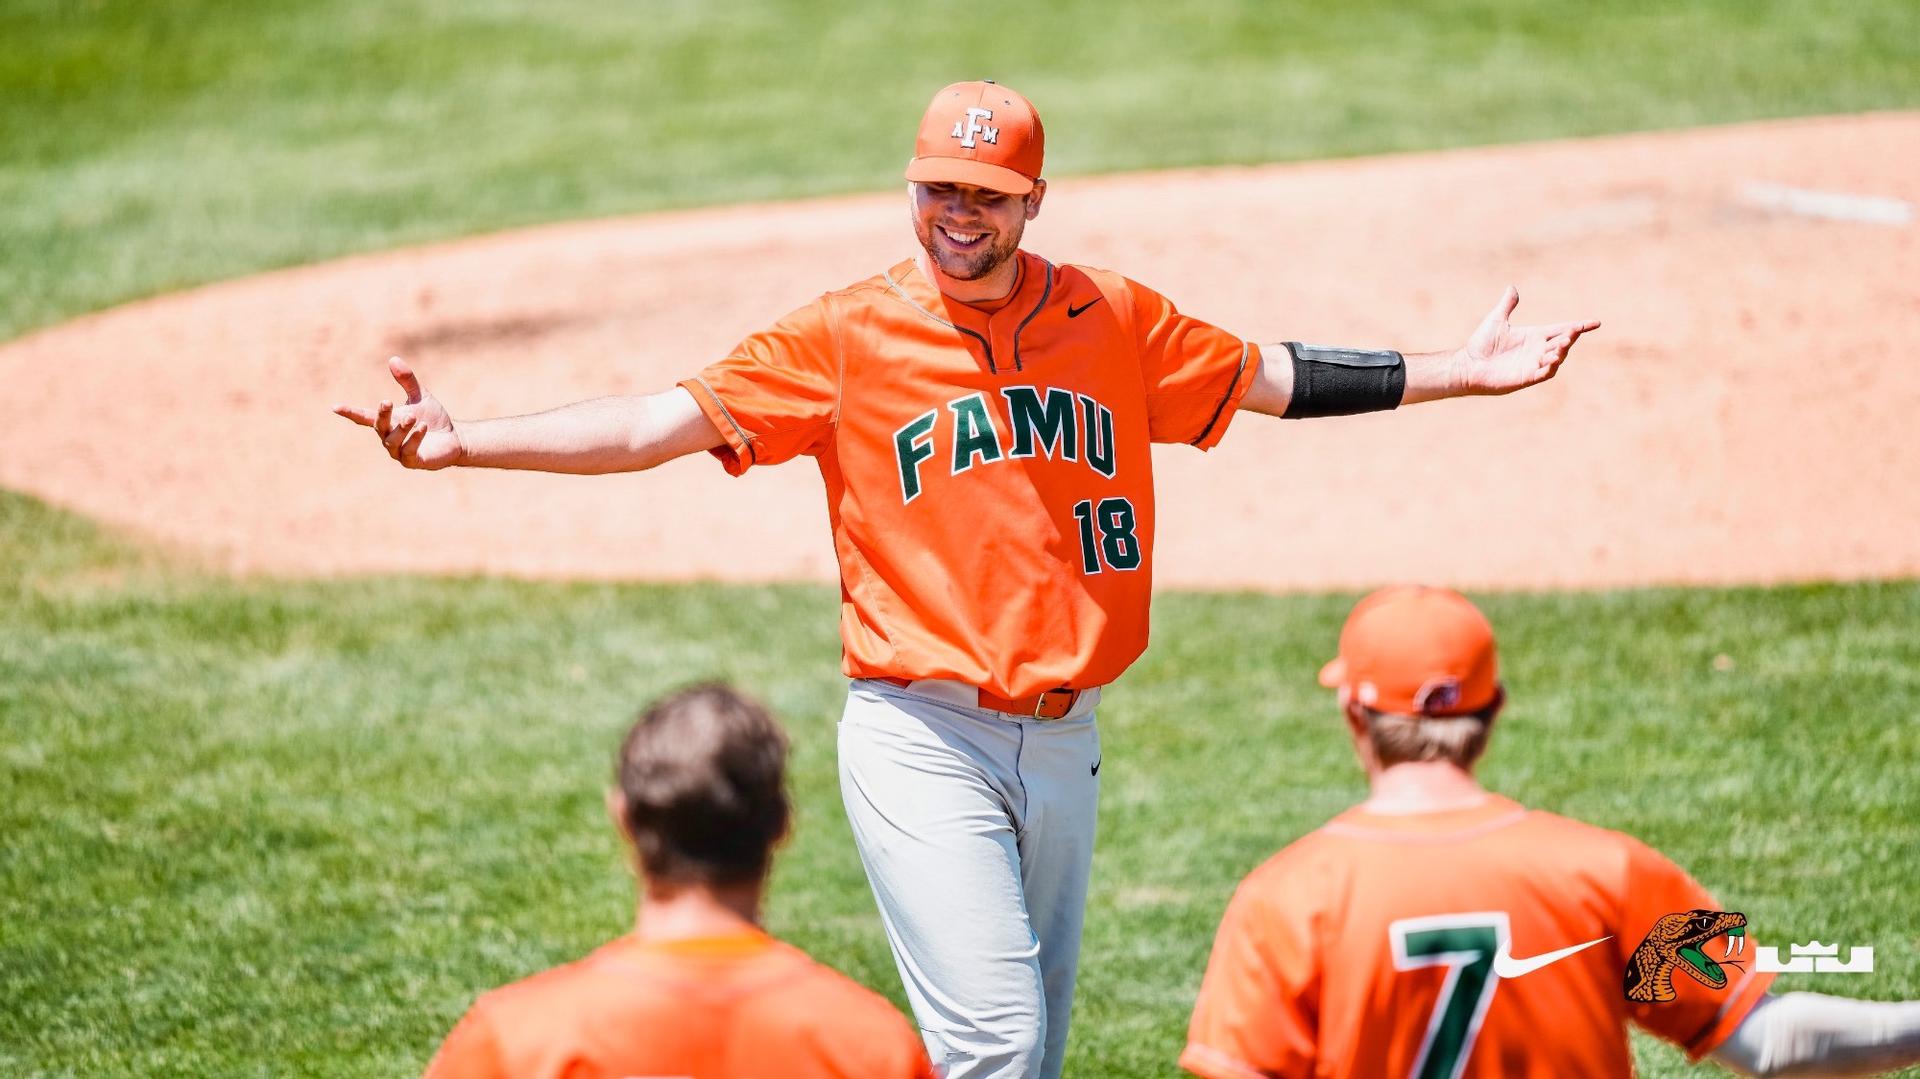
column 1374, row 947
column 987, row 471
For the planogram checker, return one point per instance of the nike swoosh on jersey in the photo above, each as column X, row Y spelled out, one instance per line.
column 1076, row 312
column 1506, row 966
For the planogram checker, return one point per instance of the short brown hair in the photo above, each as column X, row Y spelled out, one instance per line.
column 1459, row 740
column 704, row 775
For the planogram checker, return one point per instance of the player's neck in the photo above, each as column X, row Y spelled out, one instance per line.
column 684, row 912
column 1423, row 787
column 997, row 285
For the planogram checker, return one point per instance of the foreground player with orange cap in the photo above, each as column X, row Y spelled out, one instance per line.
column 698, row 990
column 1440, row 930
column 982, row 419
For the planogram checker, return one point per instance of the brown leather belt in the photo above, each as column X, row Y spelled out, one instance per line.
column 1051, row 704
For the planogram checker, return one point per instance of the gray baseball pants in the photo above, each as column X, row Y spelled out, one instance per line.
column 976, row 829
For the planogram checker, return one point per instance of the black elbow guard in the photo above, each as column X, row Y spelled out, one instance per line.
column 1343, row 381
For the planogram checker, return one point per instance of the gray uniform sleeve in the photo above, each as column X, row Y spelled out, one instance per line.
column 1815, row 1034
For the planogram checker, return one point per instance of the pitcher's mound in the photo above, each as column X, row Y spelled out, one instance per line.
column 1745, row 414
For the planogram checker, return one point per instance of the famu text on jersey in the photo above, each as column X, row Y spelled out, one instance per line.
column 1043, row 420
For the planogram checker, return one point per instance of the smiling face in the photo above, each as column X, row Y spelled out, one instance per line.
column 971, row 232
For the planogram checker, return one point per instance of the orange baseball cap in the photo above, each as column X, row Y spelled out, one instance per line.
column 1417, row 651
column 979, row 133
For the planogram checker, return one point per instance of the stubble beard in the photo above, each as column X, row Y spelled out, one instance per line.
column 969, row 265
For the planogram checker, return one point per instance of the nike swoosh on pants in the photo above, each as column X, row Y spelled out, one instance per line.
column 1506, row 966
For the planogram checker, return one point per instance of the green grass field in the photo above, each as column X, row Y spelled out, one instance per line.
column 149, row 146
column 268, row 828
column 275, row 828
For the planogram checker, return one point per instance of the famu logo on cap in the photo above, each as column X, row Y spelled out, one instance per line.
column 973, row 126
column 979, row 133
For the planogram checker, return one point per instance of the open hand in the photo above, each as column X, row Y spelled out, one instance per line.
column 1501, row 357
column 417, row 433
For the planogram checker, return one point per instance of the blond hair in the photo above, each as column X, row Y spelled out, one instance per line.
column 1458, row 740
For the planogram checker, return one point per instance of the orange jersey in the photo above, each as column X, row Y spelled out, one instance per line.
column 988, row 473
column 745, row 1007
column 1367, row 948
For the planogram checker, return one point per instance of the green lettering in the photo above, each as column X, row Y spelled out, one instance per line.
column 1098, row 420
column 910, row 450
column 1042, row 428
column 973, row 434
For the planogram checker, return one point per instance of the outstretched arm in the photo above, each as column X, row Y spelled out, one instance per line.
column 1498, row 358
column 606, row 434
column 1815, row 1034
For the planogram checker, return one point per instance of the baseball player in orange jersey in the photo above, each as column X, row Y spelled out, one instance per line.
column 1437, row 930
column 698, row 990
column 982, row 419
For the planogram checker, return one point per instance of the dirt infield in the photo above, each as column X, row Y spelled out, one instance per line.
column 1744, row 415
